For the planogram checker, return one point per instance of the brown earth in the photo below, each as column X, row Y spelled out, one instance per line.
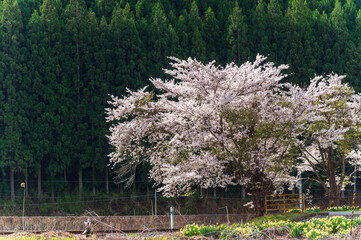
column 268, row 234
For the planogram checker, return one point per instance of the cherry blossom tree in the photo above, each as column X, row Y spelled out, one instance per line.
column 328, row 129
column 210, row 126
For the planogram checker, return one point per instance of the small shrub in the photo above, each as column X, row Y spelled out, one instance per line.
column 294, row 211
column 346, row 208
column 190, row 230
column 313, row 210
column 315, row 234
column 339, row 209
column 297, row 230
column 209, row 231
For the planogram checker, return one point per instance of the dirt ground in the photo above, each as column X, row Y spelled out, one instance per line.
column 109, row 236
column 271, row 234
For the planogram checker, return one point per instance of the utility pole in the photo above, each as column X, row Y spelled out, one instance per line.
column 23, row 186
column 357, row 159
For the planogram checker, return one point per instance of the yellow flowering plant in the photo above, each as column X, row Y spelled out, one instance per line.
column 313, row 229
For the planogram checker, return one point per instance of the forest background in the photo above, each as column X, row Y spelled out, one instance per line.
column 60, row 60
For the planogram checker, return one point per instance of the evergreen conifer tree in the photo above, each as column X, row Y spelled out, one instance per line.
column 237, row 36
column 14, row 123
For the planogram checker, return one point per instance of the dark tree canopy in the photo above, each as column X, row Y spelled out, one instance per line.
column 59, row 60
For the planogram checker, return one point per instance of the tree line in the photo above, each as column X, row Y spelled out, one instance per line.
column 60, row 60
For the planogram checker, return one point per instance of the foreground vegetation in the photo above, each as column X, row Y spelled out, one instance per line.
column 313, row 229
column 283, row 224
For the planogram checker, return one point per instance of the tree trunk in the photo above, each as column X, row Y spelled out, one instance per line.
column 238, row 48
column 334, row 191
column 65, row 178
column 80, row 175
column 12, row 186
column 93, row 178
column 259, row 186
column 52, row 189
column 258, row 199
column 334, row 196
column 148, row 195
column 39, row 181
column 106, row 181
column 2, row 192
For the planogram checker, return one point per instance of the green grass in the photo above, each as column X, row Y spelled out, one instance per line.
column 343, row 209
column 279, row 217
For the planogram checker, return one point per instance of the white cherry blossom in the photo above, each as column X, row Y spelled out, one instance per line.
column 209, row 126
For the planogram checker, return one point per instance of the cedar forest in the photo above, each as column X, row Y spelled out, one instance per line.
column 60, row 60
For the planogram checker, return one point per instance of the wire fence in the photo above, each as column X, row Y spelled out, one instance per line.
column 132, row 203
column 145, row 205
column 125, row 205
column 115, row 223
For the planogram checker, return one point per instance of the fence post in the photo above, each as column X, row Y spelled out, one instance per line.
column 304, row 204
column 172, row 218
column 227, row 215
column 130, row 222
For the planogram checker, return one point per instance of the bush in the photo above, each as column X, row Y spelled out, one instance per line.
column 294, row 211
column 339, row 209
column 313, row 210
column 190, row 230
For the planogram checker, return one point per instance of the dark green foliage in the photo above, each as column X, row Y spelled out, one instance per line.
column 60, row 59
column 15, row 153
column 260, row 24
column 237, row 36
column 212, row 36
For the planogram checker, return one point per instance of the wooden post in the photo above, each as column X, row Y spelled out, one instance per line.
column 227, row 215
